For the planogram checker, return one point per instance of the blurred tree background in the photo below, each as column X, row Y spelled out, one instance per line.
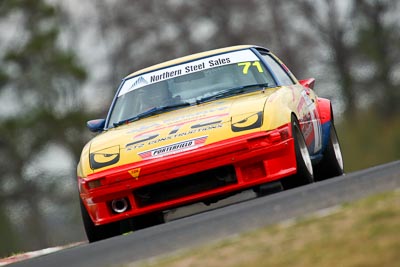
column 61, row 62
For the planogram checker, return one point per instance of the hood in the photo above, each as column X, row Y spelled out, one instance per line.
column 178, row 131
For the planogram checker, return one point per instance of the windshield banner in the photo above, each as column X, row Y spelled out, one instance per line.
column 187, row 68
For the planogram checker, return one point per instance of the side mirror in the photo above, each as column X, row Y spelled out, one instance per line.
column 96, row 125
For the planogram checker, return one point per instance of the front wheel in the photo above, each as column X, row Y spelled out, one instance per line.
column 305, row 174
column 332, row 161
column 96, row 233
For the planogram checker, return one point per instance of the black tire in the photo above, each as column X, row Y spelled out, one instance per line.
column 268, row 188
column 331, row 164
column 305, row 173
column 96, row 233
column 147, row 220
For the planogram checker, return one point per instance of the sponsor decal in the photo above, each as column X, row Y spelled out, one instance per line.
column 133, row 84
column 104, row 157
column 139, row 83
column 301, row 105
column 200, row 115
column 248, row 122
column 135, row 173
column 165, row 75
column 141, row 143
column 310, row 124
column 181, row 120
column 187, row 68
column 175, row 131
column 307, row 128
column 173, row 148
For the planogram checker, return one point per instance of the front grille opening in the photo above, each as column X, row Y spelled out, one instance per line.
column 185, row 186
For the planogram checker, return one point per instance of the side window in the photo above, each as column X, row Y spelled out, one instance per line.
column 276, row 68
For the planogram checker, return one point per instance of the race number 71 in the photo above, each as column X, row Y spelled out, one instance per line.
column 247, row 65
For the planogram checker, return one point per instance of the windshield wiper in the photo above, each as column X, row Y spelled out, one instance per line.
column 150, row 112
column 231, row 91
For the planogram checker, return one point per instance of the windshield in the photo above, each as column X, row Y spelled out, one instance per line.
column 189, row 84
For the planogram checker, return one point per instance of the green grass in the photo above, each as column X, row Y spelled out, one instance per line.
column 368, row 141
column 363, row 233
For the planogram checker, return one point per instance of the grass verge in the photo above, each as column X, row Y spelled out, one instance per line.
column 363, row 233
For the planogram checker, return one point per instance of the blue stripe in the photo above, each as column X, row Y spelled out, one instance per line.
column 326, row 127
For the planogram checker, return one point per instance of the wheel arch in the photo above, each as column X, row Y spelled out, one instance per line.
column 325, row 110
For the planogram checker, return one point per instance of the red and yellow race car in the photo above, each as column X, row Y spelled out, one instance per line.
column 200, row 128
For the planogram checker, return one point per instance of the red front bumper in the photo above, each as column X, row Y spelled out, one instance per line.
column 253, row 159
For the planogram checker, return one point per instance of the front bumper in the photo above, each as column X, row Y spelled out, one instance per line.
column 208, row 172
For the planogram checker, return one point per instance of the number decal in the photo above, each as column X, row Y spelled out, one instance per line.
column 257, row 65
column 247, row 65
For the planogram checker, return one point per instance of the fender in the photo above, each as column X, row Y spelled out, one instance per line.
column 324, row 110
column 326, row 117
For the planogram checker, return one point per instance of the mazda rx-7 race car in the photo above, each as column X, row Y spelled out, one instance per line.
column 198, row 129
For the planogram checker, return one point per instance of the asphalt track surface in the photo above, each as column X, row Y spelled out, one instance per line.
column 225, row 221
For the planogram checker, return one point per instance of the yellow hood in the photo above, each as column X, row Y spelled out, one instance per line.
column 177, row 131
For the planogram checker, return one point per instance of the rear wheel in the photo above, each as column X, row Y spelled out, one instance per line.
column 96, row 233
column 332, row 161
column 305, row 174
